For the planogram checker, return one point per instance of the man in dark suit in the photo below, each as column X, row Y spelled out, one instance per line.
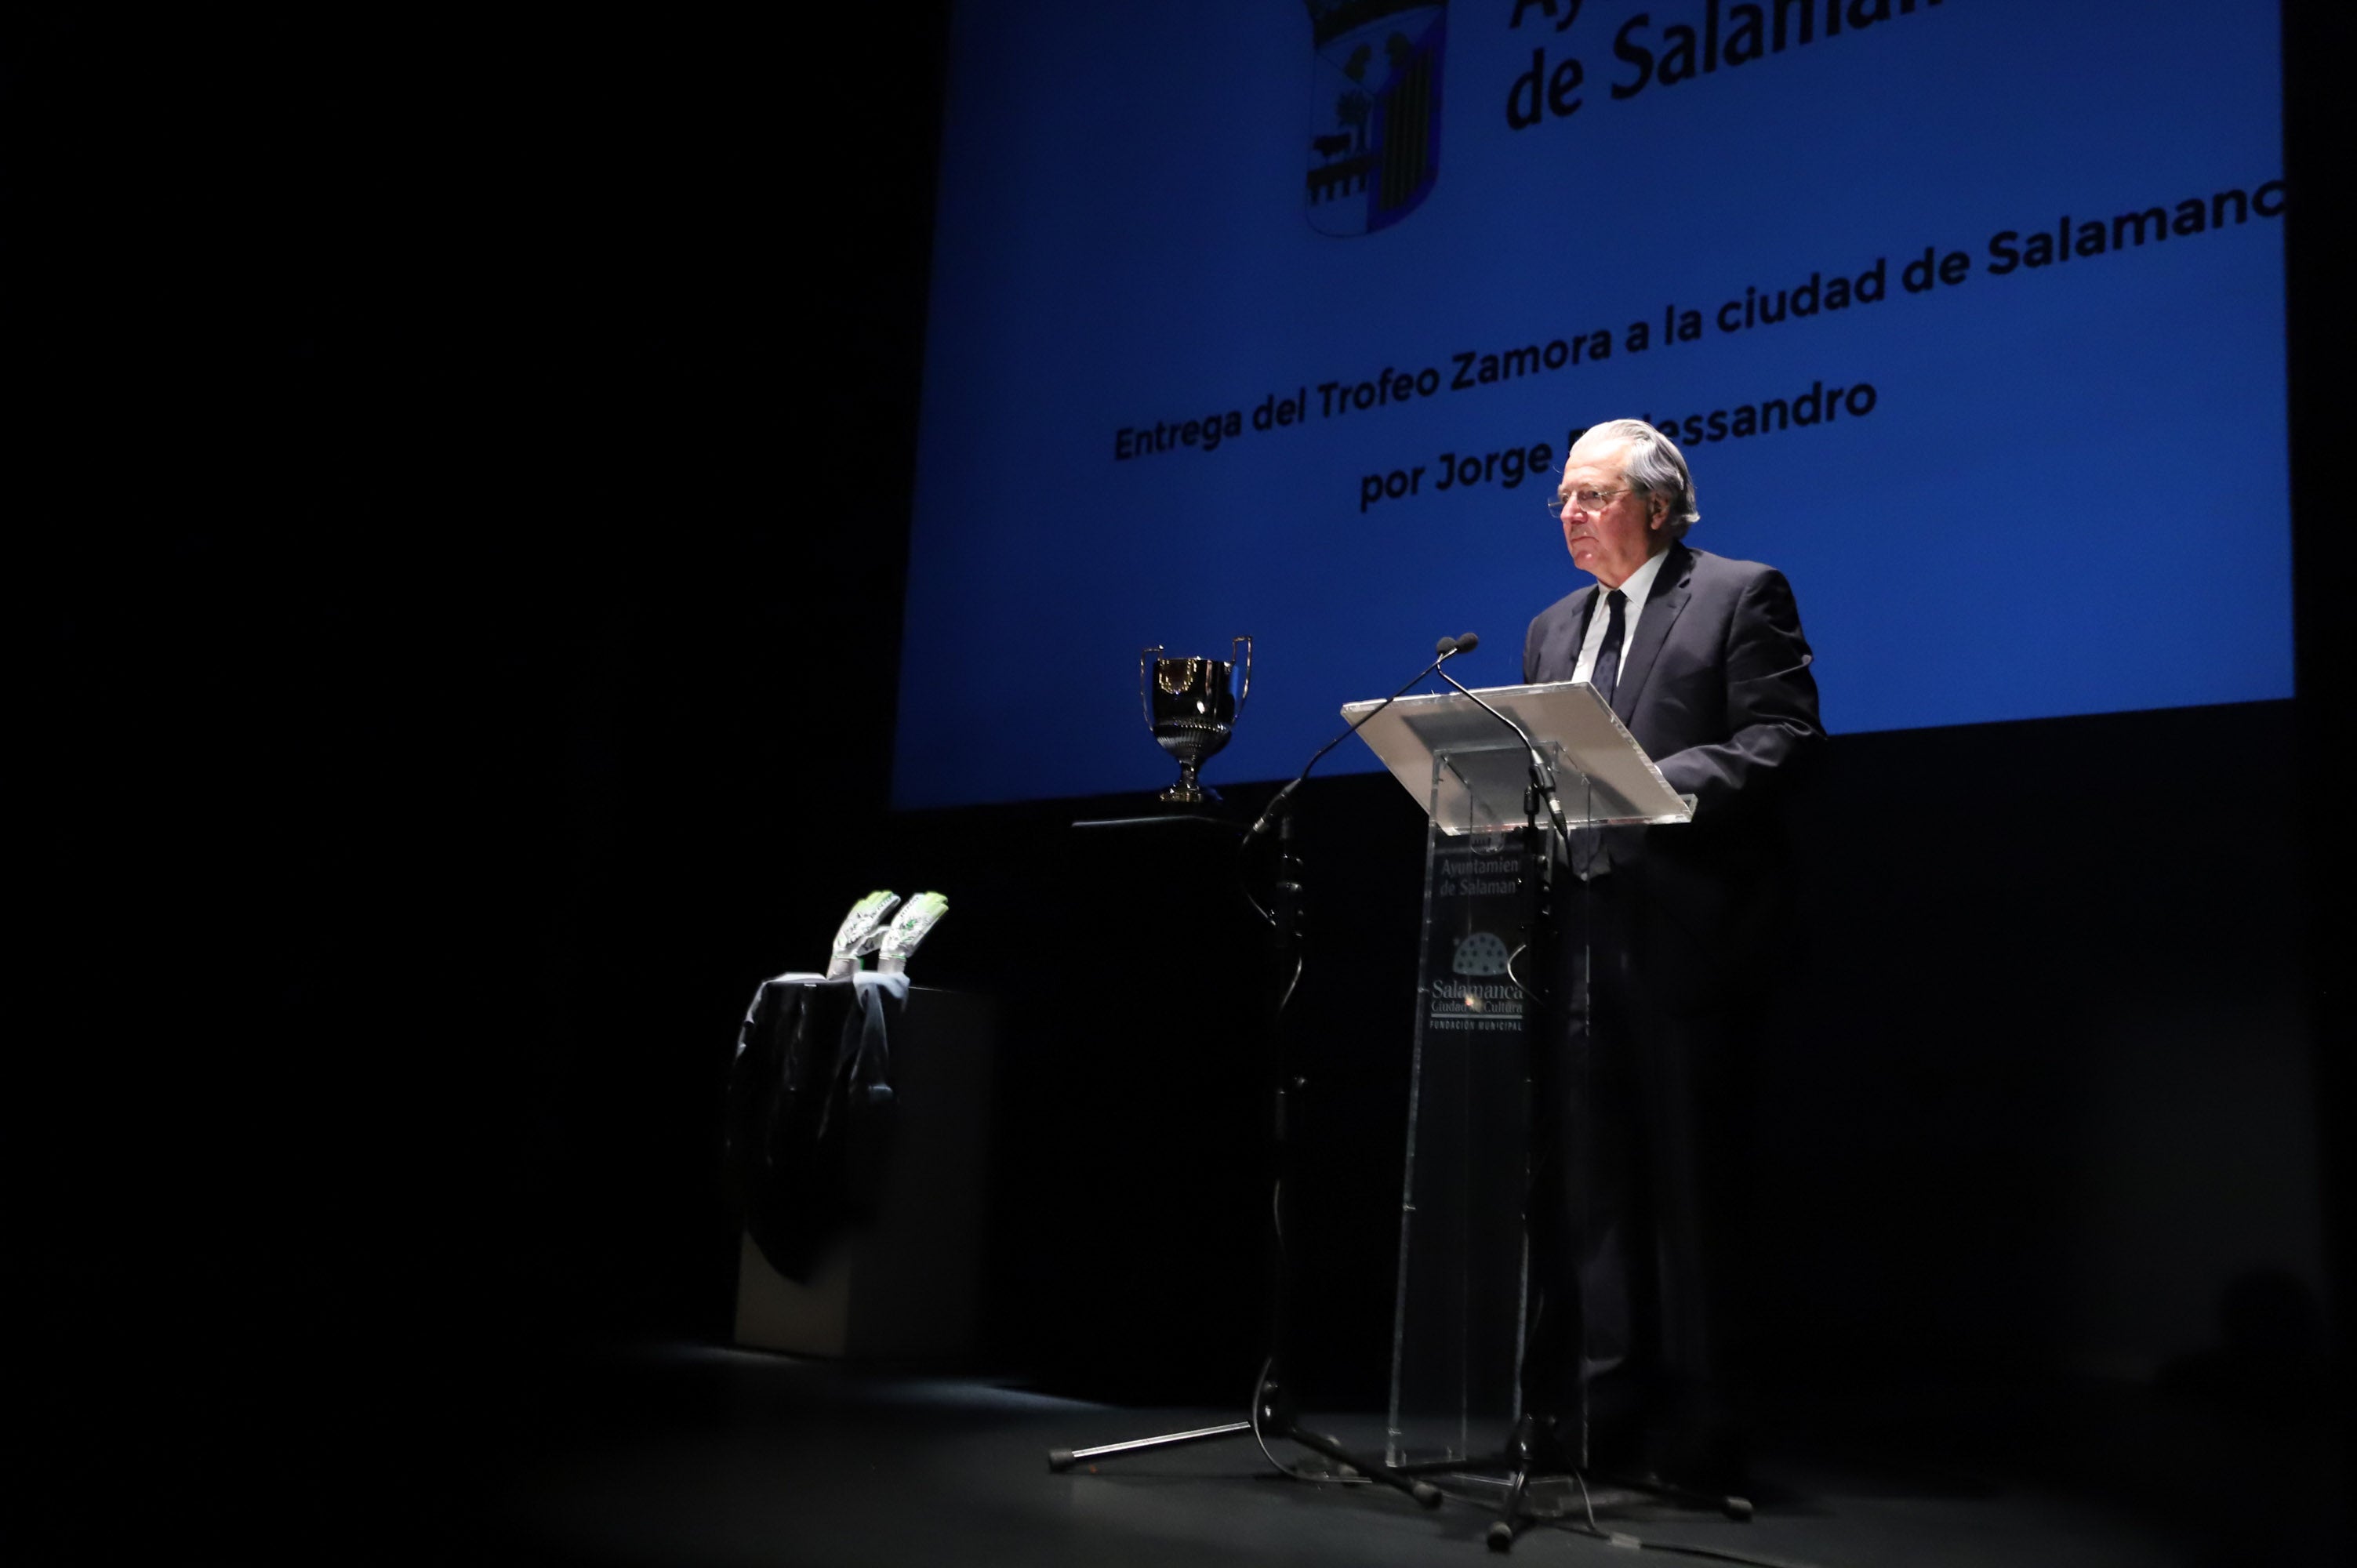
column 1671, row 940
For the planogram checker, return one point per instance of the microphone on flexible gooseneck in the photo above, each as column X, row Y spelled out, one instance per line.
column 1447, row 648
column 1540, row 774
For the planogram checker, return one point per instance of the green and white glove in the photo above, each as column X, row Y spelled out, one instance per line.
column 923, row 911
column 862, row 931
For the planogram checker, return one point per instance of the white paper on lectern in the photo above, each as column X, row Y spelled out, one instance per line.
column 1605, row 776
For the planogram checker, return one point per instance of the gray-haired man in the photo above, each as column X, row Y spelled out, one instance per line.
column 1702, row 659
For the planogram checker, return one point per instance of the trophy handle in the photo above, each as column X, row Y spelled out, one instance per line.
column 1244, row 642
column 1146, row 682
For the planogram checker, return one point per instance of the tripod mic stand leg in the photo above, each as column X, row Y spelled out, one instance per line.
column 1062, row 1459
column 1733, row 1505
column 1501, row 1537
column 1426, row 1494
column 1276, row 1411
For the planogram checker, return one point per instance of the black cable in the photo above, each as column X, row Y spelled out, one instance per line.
column 1676, row 1548
column 1260, row 1387
column 1623, row 1539
column 1596, row 1531
column 1449, row 648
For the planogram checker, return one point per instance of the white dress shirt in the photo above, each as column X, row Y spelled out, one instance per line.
column 1638, row 587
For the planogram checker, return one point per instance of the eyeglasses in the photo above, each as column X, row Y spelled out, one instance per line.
column 1585, row 501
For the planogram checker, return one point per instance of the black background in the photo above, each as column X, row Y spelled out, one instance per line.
column 462, row 468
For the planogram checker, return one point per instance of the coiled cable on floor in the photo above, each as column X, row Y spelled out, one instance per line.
column 1260, row 1387
column 1676, row 1548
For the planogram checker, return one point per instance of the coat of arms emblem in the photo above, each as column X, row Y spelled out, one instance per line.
column 1374, row 111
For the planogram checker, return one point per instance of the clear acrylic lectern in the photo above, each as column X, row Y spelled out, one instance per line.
column 1457, row 1336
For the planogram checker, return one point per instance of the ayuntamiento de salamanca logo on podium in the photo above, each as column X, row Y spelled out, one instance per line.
column 1374, row 111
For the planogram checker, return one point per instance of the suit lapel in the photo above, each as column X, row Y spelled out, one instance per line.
column 1671, row 590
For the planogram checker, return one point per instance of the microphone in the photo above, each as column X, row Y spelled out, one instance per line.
column 1807, row 660
column 1447, row 649
column 1540, row 774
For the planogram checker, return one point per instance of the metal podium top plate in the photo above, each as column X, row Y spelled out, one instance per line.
column 1602, row 775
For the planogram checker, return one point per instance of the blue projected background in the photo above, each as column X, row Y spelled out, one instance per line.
column 1352, row 240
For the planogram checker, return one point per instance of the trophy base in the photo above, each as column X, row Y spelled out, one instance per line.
column 1188, row 795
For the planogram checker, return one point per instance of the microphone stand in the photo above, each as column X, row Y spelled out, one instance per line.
column 1540, row 1021
column 1541, row 787
column 1273, row 1412
column 1447, row 649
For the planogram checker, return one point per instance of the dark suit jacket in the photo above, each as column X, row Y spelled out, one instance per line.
column 1716, row 687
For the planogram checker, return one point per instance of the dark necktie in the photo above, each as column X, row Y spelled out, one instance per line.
column 1607, row 673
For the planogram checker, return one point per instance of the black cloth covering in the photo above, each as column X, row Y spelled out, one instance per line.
column 809, row 1115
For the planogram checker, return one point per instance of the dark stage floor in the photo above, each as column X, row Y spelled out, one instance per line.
column 689, row 1456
